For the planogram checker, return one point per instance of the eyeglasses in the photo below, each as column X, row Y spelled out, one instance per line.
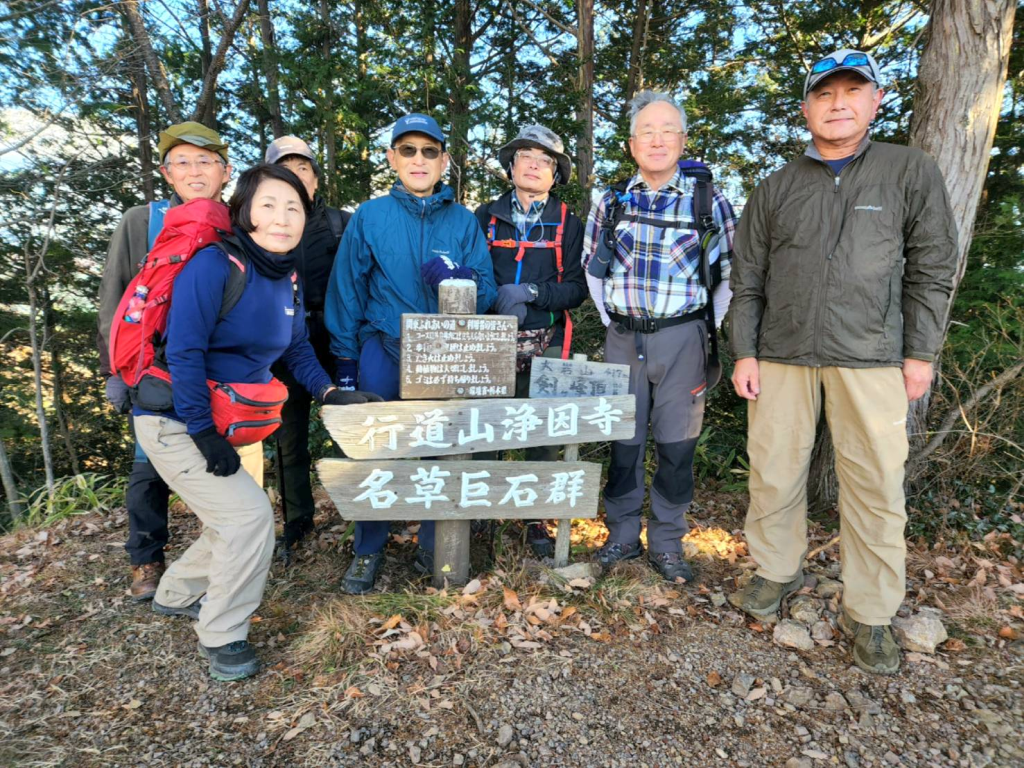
column 647, row 136
column 541, row 161
column 855, row 59
column 202, row 163
column 410, row 150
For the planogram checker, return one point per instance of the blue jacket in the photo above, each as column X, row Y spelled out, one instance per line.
column 376, row 276
column 267, row 323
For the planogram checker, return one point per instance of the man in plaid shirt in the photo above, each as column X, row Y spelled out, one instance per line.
column 651, row 298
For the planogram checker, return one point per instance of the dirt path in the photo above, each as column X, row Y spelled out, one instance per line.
column 523, row 670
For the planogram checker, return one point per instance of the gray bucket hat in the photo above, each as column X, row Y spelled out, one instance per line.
column 538, row 137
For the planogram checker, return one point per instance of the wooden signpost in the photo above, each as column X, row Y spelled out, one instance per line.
column 447, row 427
column 456, row 354
column 449, row 355
column 446, row 489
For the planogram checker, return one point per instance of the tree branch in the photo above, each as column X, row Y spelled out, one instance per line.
column 153, row 64
column 219, row 57
column 549, row 17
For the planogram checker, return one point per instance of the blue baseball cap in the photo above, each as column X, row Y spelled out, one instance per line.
column 417, row 123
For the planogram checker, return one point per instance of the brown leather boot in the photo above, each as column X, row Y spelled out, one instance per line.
column 145, row 579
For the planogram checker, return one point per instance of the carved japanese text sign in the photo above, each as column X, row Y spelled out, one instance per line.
column 577, row 378
column 457, row 356
column 461, row 490
column 447, row 427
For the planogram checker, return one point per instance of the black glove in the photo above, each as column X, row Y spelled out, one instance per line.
column 221, row 457
column 342, row 397
column 117, row 394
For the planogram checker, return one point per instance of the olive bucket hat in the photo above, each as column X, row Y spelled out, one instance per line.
column 544, row 139
column 193, row 133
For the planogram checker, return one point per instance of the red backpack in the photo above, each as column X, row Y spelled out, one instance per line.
column 244, row 413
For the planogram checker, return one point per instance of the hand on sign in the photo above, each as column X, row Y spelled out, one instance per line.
column 442, row 268
column 340, row 397
column 346, row 373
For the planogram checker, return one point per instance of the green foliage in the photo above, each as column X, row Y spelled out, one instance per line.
column 76, row 495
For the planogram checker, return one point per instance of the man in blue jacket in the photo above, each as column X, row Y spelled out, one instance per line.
column 395, row 252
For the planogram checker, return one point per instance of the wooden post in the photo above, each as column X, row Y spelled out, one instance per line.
column 451, row 537
column 564, row 534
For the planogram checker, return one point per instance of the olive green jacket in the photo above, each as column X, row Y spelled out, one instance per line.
column 854, row 270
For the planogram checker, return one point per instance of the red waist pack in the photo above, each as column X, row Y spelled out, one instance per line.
column 247, row 413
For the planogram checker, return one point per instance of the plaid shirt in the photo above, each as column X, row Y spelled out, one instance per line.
column 655, row 272
column 524, row 220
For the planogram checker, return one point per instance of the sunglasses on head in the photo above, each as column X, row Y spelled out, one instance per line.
column 410, row 150
column 856, row 59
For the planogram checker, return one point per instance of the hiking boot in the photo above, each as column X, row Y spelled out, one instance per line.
column 145, row 579
column 762, row 598
column 424, row 561
column 541, row 543
column 234, row 661
column 874, row 647
column 362, row 573
column 191, row 610
column 610, row 554
column 295, row 531
column 671, row 566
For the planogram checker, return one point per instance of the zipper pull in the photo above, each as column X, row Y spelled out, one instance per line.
column 837, row 184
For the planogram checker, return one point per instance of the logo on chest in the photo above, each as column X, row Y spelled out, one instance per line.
column 289, row 311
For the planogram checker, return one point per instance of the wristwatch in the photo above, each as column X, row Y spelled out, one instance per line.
column 534, row 292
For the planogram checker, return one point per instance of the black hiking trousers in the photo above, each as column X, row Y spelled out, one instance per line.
column 146, row 501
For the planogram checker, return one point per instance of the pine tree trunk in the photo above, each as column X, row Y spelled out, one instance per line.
column 585, row 110
column 57, row 372
column 140, row 104
column 156, row 70
column 459, row 100
column 14, row 507
column 270, row 65
column 37, row 372
column 329, row 184
column 960, row 84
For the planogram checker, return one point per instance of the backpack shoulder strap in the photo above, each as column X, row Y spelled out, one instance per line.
column 337, row 222
column 157, row 210
column 235, row 286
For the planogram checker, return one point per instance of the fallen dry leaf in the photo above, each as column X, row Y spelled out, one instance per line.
column 1008, row 633
column 714, row 679
column 511, row 600
column 352, row 692
column 472, row 588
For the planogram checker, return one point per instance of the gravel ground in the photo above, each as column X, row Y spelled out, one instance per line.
column 619, row 673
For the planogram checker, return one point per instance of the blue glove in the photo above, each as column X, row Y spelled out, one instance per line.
column 346, row 373
column 442, row 268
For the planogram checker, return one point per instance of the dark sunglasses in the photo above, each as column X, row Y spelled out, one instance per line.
column 851, row 60
column 410, row 150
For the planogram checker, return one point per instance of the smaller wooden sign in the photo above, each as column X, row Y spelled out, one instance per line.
column 577, row 378
column 461, row 490
column 466, row 356
column 447, row 427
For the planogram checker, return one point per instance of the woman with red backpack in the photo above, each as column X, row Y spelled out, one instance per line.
column 219, row 362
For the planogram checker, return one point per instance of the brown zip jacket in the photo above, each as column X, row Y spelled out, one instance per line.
column 853, row 270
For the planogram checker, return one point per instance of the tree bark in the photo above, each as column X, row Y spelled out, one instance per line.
column 31, row 273
column 585, row 108
column 14, row 507
column 156, row 68
column 206, row 95
column 329, row 184
column 362, row 107
column 206, row 59
column 634, row 76
column 961, row 78
column 270, row 65
column 57, row 372
column 459, row 98
column 140, row 104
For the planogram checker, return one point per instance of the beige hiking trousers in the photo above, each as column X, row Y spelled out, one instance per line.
column 866, row 410
column 230, row 560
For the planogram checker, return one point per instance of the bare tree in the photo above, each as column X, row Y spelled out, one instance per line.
column 270, row 65
column 10, row 487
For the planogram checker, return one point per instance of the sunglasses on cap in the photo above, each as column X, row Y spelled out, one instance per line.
column 410, row 150
column 855, row 59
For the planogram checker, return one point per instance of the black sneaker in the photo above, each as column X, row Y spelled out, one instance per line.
column 610, row 554
column 423, row 562
column 540, row 542
column 671, row 566
column 234, row 661
column 294, row 532
column 191, row 610
column 362, row 573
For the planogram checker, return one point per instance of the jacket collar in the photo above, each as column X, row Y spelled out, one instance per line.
column 423, row 206
column 813, row 153
column 501, row 209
